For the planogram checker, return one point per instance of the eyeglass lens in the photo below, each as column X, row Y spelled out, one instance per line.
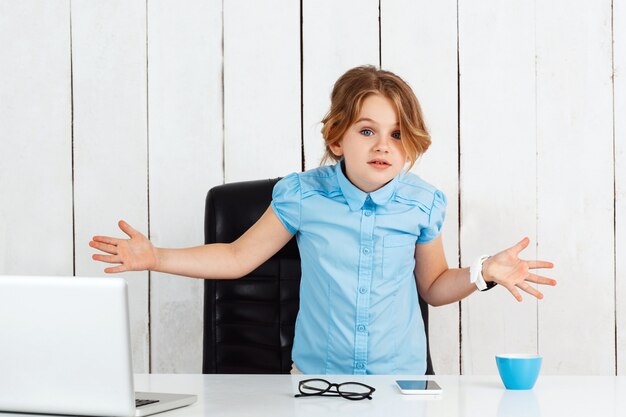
column 350, row 389
column 314, row 386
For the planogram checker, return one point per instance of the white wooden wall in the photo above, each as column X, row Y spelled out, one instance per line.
column 133, row 109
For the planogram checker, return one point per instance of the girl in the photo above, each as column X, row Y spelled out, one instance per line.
column 368, row 232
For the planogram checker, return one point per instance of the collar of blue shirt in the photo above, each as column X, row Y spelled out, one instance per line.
column 356, row 198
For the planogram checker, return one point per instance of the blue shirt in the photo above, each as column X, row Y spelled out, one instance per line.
column 359, row 311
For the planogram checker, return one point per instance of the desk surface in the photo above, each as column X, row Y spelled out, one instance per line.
column 272, row 395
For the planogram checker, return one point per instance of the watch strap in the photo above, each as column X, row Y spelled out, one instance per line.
column 476, row 274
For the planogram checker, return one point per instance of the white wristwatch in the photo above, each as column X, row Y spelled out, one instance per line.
column 476, row 274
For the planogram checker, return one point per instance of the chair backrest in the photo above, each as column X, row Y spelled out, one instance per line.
column 249, row 322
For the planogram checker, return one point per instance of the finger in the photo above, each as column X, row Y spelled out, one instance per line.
column 126, row 228
column 520, row 246
column 515, row 293
column 539, row 279
column 110, row 259
column 106, row 239
column 539, row 264
column 115, row 269
column 530, row 290
column 104, row 247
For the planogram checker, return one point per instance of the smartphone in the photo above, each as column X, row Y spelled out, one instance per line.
column 419, row 387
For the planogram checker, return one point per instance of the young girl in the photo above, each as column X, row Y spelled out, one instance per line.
column 368, row 234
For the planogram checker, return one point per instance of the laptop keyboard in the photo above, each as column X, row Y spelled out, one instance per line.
column 141, row 403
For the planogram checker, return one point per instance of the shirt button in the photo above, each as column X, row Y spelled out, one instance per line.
column 368, row 213
column 360, row 328
column 360, row 365
column 363, row 290
column 366, row 251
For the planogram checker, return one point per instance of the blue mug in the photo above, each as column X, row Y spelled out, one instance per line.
column 518, row 371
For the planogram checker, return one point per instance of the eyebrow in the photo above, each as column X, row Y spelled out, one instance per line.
column 367, row 119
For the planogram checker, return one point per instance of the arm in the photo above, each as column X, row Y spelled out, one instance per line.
column 436, row 283
column 219, row 260
column 439, row 285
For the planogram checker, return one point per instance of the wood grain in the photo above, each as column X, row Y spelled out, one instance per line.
column 35, row 137
column 575, row 191
column 262, row 137
column 110, row 140
column 185, row 133
column 498, row 180
column 619, row 97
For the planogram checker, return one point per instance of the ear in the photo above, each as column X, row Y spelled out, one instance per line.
column 336, row 148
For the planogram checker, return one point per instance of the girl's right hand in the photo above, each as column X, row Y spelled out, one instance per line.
column 134, row 254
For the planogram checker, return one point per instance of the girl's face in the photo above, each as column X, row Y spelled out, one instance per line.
column 371, row 147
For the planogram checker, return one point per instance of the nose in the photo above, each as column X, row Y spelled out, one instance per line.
column 382, row 145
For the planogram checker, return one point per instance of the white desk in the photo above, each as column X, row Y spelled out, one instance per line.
column 272, row 395
column 480, row 396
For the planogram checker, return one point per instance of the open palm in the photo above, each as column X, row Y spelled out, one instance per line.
column 507, row 269
column 134, row 254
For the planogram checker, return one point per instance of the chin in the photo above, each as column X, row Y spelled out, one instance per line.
column 378, row 183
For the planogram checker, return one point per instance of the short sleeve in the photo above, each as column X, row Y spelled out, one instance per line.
column 437, row 216
column 287, row 200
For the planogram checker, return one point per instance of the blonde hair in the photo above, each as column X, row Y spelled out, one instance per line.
column 347, row 98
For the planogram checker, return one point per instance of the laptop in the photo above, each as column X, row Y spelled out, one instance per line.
column 65, row 349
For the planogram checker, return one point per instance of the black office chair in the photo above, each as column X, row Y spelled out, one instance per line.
column 249, row 322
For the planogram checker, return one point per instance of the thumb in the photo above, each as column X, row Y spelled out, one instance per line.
column 126, row 228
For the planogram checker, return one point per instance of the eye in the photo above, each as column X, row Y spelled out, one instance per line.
column 367, row 132
column 396, row 135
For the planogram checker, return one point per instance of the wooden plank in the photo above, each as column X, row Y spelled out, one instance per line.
column 619, row 94
column 336, row 36
column 110, row 142
column 424, row 53
column 185, row 133
column 498, row 170
column 575, row 191
column 35, row 131
column 261, row 89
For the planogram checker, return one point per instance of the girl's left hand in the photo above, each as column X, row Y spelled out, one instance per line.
column 507, row 269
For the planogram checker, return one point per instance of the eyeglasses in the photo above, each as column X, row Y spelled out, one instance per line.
column 348, row 390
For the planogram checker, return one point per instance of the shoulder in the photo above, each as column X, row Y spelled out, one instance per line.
column 411, row 182
column 322, row 180
column 413, row 190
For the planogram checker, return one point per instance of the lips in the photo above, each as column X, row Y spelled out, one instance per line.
column 379, row 163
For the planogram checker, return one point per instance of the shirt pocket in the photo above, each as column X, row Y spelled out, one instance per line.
column 398, row 256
